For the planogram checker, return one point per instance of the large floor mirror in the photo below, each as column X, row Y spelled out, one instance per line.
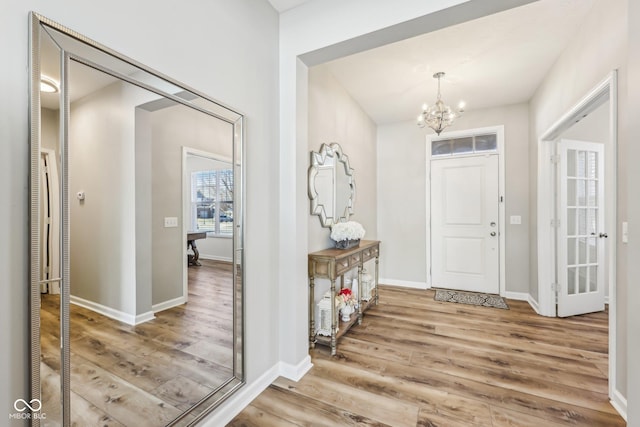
column 129, row 170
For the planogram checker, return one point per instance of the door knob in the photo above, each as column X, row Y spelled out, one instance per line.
column 603, row 235
column 493, row 233
column 493, row 224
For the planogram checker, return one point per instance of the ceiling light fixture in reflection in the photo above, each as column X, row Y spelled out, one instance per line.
column 48, row 85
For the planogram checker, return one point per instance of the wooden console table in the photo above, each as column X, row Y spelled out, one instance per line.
column 331, row 264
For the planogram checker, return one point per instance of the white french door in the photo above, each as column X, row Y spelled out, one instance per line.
column 465, row 243
column 581, row 231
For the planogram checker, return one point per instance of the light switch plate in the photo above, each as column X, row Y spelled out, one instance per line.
column 170, row 221
column 515, row 219
column 625, row 232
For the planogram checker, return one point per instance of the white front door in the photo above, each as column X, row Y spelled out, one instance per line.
column 581, row 231
column 465, row 241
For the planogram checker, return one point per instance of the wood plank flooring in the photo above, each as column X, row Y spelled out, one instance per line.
column 142, row 375
column 418, row 362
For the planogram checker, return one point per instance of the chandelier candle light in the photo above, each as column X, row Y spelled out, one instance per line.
column 439, row 115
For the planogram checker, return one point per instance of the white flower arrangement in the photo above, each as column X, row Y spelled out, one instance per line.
column 349, row 230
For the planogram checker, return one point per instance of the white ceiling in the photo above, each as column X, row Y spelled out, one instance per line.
column 497, row 60
column 283, row 5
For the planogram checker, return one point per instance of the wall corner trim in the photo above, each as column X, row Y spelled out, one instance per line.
column 619, row 403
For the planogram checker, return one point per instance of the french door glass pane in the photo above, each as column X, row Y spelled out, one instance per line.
column 582, row 164
column 581, row 185
column 592, row 166
column 592, row 193
column 571, row 280
column 593, row 250
column 572, row 223
column 572, row 193
column 593, row 278
column 592, row 221
column 582, row 279
column 582, row 222
column 571, row 164
column 571, row 251
column 582, row 251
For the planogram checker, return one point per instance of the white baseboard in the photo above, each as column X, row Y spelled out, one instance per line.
column 112, row 313
column 518, row 296
column 620, row 404
column 236, row 403
column 403, row 283
column 168, row 304
column 241, row 399
column 295, row 372
column 534, row 304
column 214, row 258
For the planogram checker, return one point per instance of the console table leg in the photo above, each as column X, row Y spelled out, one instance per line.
column 334, row 318
column 360, row 294
column 312, row 323
column 376, row 283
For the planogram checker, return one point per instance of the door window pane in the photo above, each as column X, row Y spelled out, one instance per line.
column 572, row 193
column 592, row 193
column 593, row 250
column 593, row 278
column 463, row 145
column 582, row 164
column 582, row 251
column 582, row 221
column 582, row 280
column 571, row 280
column 441, row 148
column 486, row 142
column 571, row 163
column 571, row 251
column 592, row 165
column 572, row 223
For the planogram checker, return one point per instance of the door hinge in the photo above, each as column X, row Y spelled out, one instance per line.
column 555, row 287
column 555, row 158
column 555, row 223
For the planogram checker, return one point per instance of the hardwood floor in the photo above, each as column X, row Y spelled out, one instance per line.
column 142, row 375
column 418, row 362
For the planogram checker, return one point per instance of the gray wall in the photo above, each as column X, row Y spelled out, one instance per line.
column 402, row 206
column 102, row 165
column 335, row 117
column 173, row 128
column 235, row 60
column 599, row 47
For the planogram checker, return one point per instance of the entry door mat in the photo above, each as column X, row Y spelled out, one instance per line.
column 472, row 298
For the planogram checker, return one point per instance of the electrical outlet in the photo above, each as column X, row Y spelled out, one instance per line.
column 170, row 221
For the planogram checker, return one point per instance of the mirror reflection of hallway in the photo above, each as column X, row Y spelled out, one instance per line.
column 131, row 336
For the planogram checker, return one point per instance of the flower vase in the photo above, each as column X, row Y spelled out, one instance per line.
column 346, row 312
column 346, row 244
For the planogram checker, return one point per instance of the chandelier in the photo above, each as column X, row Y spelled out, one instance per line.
column 438, row 116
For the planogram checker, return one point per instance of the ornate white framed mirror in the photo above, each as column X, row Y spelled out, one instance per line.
column 124, row 331
column 331, row 185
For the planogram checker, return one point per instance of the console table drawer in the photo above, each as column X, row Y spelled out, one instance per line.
column 343, row 265
column 370, row 253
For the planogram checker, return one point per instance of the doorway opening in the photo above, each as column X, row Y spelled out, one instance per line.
column 603, row 94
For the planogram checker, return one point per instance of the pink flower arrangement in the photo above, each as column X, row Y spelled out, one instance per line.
column 345, row 297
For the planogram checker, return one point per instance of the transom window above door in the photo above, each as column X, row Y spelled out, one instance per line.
column 470, row 144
